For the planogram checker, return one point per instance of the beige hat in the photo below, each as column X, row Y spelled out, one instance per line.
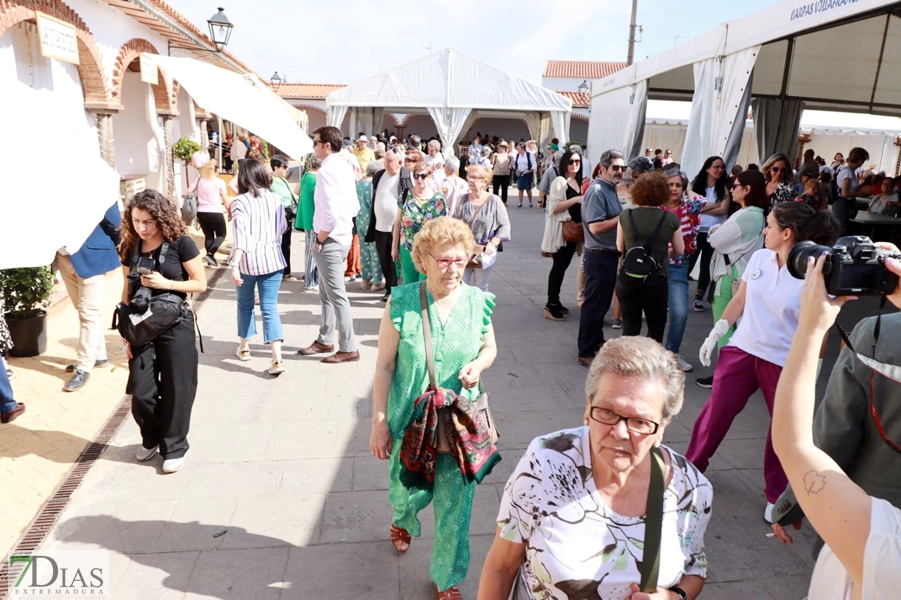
column 363, row 138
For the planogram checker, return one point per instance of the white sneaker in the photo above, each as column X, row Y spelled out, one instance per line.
column 173, row 465
column 768, row 512
column 243, row 355
column 144, row 454
column 277, row 368
column 684, row 364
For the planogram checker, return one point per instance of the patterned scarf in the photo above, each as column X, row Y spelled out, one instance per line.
column 470, row 442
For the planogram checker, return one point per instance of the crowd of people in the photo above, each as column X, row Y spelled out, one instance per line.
column 408, row 219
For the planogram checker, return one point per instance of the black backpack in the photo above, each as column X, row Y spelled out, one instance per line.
column 639, row 262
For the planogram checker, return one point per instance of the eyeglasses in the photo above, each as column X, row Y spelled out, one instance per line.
column 444, row 263
column 617, row 167
column 420, row 176
column 633, row 424
column 475, row 178
column 316, row 142
column 779, row 169
column 737, row 185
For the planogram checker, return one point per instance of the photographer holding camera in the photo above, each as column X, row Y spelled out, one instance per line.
column 767, row 301
column 162, row 373
column 862, row 557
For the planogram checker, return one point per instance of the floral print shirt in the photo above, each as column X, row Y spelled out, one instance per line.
column 783, row 193
column 689, row 213
column 415, row 212
column 576, row 547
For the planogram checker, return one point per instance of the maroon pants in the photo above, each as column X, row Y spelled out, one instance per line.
column 738, row 375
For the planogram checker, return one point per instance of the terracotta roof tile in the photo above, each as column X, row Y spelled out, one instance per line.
column 579, row 99
column 309, row 91
column 582, row 68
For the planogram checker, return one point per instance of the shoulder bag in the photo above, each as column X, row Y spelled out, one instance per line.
column 481, row 404
column 573, row 232
column 163, row 311
column 475, row 261
column 290, row 211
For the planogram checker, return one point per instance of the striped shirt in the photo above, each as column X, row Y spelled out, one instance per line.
column 259, row 223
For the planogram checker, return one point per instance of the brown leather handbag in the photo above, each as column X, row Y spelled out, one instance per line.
column 573, row 232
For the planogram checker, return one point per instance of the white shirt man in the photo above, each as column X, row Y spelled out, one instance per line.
column 336, row 205
column 387, row 187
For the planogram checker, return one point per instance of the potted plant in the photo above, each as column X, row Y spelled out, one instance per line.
column 24, row 294
column 184, row 149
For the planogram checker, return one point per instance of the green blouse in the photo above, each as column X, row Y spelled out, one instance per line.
column 415, row 212
column 304, row 220
column 456, row 343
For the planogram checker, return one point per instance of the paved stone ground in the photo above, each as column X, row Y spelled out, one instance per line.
column 280, row 497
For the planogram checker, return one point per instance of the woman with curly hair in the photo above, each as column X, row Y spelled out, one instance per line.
column 162, row 374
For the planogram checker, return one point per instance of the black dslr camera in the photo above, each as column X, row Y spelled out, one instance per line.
column 140, row 295
column 854, row 266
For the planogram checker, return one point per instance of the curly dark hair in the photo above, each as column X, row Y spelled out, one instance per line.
column 163, row 211
column 651, row 189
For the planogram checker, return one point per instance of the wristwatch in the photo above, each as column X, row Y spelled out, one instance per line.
column 680, row 592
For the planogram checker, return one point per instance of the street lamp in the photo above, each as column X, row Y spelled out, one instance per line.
column 275, row 80
column 220, row 32
column 583, row 87
column 220, row 29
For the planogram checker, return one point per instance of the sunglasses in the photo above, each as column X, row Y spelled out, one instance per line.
column 575, row 162
column 779, row 169
column 617, row 167
column 420, row 176
column 737, row 185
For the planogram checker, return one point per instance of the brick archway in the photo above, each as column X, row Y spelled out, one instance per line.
column 93, row 81
column 130, row 50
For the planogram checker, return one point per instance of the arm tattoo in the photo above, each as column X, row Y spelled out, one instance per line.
column 814, row 482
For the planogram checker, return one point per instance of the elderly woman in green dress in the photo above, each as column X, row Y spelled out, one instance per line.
column 464, row 346
column 369, row 258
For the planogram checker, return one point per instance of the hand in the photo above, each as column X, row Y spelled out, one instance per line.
column 380, row 440
column 782, row 535
column 660, row 594
column 470, row 375
column 489, row 248
column 895, row 267
column 236, row 276
column 707, row 348
column 395, row 254
column 127, row 348
column 818, row 310
column 155, row 281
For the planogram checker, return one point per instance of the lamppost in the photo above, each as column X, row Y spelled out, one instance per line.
column 220, row 32
column 275, row 80
column 583, row 87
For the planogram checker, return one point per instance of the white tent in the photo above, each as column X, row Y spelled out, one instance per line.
column 242, row 99
column 826, row 55
column 454, row 90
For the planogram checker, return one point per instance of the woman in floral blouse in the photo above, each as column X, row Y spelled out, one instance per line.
column 572, row 517
column 779, row 177
column 420, row 205
column 689, row 212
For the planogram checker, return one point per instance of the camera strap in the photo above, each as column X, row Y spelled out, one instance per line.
column 136, row 254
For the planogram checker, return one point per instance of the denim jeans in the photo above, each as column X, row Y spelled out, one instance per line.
column 678, row 305
column 268, row 290
column 7, row 402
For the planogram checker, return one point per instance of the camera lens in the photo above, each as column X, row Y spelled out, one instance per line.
column 800, row 252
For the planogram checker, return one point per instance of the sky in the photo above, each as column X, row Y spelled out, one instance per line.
column 344, row 41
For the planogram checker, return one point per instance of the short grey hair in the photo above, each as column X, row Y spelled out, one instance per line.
column 452, row 163
column 315, row 163
column 677, row 173
column 609, row 156
column 557, row 156
column 486, row 151
column 640, row 358
column 373, row 167
column 576, row 148
column 435, row 144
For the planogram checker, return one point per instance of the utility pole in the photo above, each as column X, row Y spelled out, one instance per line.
column 632, row 28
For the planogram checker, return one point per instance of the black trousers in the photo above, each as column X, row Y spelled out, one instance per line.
column 705, row 252
column 383, row 249
column 643, row 295
column 162, row 381
column 213, row 226
column 502, row 183
column 286, row 247
column 600, row 281
column 562, row 258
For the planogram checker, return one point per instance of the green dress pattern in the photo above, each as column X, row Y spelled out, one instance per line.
column 369, row 258
column 414, row 213
column 456, row 342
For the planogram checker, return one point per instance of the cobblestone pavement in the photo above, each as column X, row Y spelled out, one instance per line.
column 280, row 497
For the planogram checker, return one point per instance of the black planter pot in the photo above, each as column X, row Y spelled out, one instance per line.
column 29, row 335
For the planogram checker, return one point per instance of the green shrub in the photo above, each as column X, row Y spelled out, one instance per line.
column 185, row 148
column 25, row 292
